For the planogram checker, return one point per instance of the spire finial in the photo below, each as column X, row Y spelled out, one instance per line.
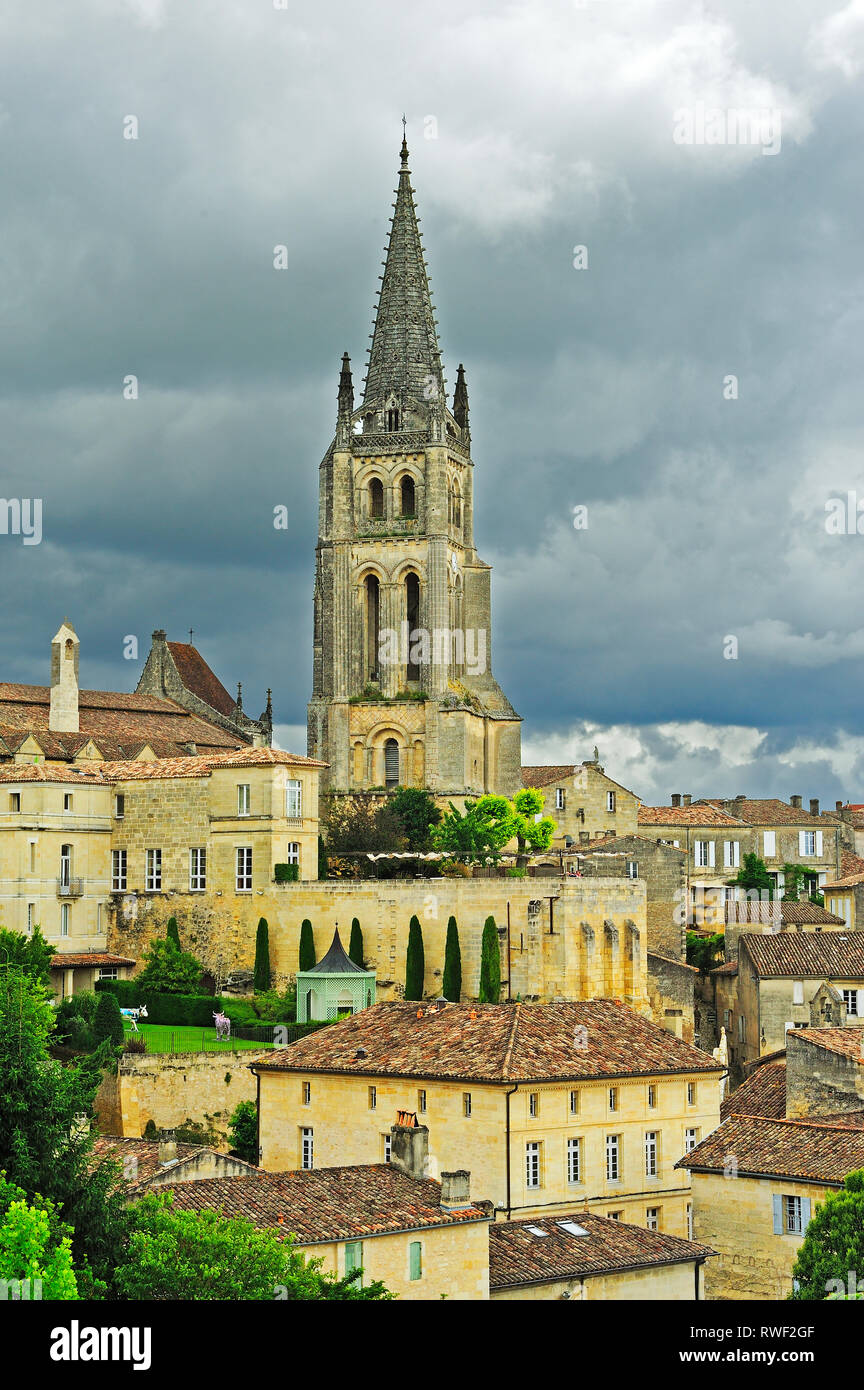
column 404, row 150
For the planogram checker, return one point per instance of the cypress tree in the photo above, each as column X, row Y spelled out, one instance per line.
column 261, row 976
column 108, row 1021
column 490, row 964
column 171, row 932
column 415, row 963
column 355, row 948
column 452, row 985
column 307, row 945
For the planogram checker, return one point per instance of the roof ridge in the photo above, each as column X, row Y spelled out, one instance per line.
column 511, row 1042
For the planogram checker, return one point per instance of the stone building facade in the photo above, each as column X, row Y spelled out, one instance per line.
column 403, row 691
column 583, row 801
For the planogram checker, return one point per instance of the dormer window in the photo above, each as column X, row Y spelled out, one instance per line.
column 392, row 419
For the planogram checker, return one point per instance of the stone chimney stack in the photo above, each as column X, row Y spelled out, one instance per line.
column 409, row 1146
column 63, row 711
column 167, row 1147
column 455, row 1190
column 796, row 802
column 687, row 799
column 676, row 798
column 814, row 806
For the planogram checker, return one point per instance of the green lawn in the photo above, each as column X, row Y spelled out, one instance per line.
column 169, row 1037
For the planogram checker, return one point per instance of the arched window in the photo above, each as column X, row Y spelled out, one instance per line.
column 455, row 504
column 391, row 763
column 412, row 613
column 376, row 497
column 392, row 420
column 372, row 616
column 409, row 500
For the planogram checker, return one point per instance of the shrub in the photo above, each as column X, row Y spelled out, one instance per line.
column 243, row 1129
column 516, row 871
column 307, row 945
column 355, row 949
column 172, row 933
column 261, row 976
column 490, row 964
column 168, row 970
column 107, row 1022
column 415, row 963
column 286, row 873
column 451, row 986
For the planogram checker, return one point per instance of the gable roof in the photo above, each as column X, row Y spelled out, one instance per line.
column 517, row 1255
column 321, row 1205
column 762, row 1093
column 496, row 1043
column 766, row 811
column 845, row 1042
column 697, row 813
column 819, row 955
column 147, row 1164
column 804, row 912
column 149, row 769
column 808, row 1150
column 198, row 678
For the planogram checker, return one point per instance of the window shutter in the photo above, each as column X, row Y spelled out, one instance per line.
column 819, row 842
column 711, row 853
column 805, row 1213
column 802, row 849
column 778, row 1214
column 696, row 844
column 727, row 854
column 769, row 843
column 736, row 854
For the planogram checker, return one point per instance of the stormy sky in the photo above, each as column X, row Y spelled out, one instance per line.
column 715, row 249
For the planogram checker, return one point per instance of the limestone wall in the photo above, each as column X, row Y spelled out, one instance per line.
column 175, row 1089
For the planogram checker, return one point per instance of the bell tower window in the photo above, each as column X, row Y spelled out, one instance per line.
column 408, row 497
column 392, row 419
column 391, row 763
column 372, row 611
column 376, row 497
column 412, row 613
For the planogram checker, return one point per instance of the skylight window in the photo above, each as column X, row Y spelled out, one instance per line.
column 571, row 1228
column 537, row 1231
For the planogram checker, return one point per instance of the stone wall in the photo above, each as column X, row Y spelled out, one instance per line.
column 664, row 871
column 819, row 1082
column 671, row 993
column 568, row 939
column 174, row 1090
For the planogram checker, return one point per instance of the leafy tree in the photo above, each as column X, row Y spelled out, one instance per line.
column 243, row 1128
column 34, row 1246
column 490, row 964
column 46, row 1141
column 261, row 977
column 355, row 947
column 74, row 1018
column 169, row 971
column 357, row 824
column 205, row 1256
column 415, row 962
column 704, row 951
column 172, row 932
column 108, row 1021
column 531, row 833
column 795, row 877
column 32, row 953
column 307, row 945
column 451, row 986
column 417, row 813
column 481, row 832
column 833, row 1246
column 753, row 874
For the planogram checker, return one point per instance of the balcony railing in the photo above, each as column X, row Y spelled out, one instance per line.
column 70, row 887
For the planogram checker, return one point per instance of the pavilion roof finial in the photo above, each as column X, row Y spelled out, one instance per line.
column 404, row 150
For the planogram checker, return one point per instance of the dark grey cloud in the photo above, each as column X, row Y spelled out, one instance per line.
column 553, row 128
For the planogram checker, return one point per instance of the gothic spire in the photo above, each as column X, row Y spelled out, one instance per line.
column 460, row 399
column 404, row 358
column 346, row 387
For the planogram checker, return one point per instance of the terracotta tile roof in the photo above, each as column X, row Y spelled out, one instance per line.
column 120, row 724
column 804, row 913
column 847, row 1119
column 199, row 679
column 203, row 766
column 623, row 845
column 763, row 1092
column 518, row 1256
column 767, row 811
column 851, row 871
column 328, row 1204
column 146, row 1155
column 495, row 1043
column 68, row 960
column 729, row 967
column 542, row 776
column 815, row 1150
column 818, row 955
column 846, row 1042
column 81, row 774
column 698, row 813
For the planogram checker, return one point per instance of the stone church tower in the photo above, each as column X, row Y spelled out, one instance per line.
column 403, row 691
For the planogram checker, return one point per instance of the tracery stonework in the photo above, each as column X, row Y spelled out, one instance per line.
column 403, row 691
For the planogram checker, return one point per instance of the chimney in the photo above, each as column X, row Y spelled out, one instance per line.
column 409, row 1145
column 814, row 806
column 63, row 710
column 456, row 1190
column 687, row 799
column 676, row 798
column 796, row 802
column 167, row 1147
